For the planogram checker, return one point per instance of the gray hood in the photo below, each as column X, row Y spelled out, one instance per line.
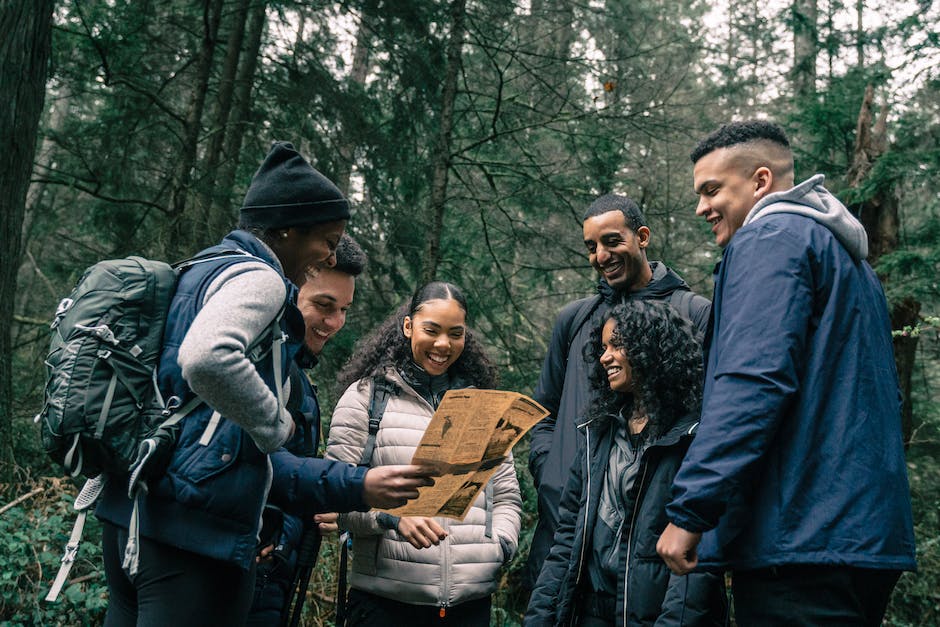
column 812, row 200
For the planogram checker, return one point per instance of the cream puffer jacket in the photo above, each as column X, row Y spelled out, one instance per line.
column 466, row 563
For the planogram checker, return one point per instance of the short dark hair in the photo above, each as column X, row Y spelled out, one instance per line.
column 740, row 133
column 614, row 202
column 350, row 258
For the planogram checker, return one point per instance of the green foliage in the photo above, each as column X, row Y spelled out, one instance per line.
column 32, row 538
column 557, row 103
column 911, row 271
column 916, row 600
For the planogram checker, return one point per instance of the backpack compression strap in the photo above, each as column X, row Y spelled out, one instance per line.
column 83, row 502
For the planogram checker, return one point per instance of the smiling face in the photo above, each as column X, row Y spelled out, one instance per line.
column 303, row 249
column 616, row 252
column 437, row 332
column 727, row 190
column 324, row 300
column 614, row 360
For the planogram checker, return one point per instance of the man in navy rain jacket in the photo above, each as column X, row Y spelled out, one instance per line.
column 798, row 462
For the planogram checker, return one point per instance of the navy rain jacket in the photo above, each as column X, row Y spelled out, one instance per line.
column 799, row 458
column 303, row 485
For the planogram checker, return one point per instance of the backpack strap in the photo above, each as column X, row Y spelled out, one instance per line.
column 382, row 391
column 682, row 301
column 212, row 256
column 83, row 502
column 270, row 339
column 581, row 316
column 136, row 484
column 295, row 405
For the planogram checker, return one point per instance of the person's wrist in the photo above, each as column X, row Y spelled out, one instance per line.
column 388, row 521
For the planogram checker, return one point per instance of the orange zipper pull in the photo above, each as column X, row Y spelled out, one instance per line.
column 443, row 611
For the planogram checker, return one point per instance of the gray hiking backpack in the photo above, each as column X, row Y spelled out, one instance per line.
column 103, row 413
column 101, row 395
column 101, row 391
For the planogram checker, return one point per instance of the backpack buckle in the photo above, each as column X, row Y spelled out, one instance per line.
column 172, row 404
column 64, row 305
column 102, row 332
column 71, row 552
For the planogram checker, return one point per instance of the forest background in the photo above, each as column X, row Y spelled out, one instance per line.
column 471, row 134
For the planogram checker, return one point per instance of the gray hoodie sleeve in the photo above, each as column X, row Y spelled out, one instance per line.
column 239, row 306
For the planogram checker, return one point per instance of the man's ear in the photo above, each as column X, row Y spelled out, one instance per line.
column 406, row 327
column 643, row 236
column 763, row 182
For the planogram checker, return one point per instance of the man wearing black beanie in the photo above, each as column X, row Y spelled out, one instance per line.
column 232, row 330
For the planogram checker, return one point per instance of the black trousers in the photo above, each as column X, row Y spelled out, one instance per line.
column 173, row 588
column 810, row 595
column 370, row 610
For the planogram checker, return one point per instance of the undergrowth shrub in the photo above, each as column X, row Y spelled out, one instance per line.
column 33, row 535
column 916, row 599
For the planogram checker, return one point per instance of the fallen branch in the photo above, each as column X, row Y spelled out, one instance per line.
column 322, row 598
column 82, row 579
column 20, row 499
column 39, row 322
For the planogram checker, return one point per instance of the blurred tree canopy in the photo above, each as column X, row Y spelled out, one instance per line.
column 470, row 135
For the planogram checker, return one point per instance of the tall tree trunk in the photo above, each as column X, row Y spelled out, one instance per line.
column 362, row 59
column 805, row 46
column 860, row 33
column 217, row 224
column 185, row 231
column 240, row 118
column 832, row 48
column 442, row 153
column 551, row 27
column 24, row 48
column 299, row 37
column 879, row 216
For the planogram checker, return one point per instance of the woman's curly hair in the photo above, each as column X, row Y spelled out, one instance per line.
column 665, row 357
column 388, row 346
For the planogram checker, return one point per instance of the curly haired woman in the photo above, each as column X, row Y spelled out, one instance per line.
column 603, row 568
column 415, row 570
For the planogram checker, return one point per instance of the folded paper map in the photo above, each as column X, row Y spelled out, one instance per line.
column 469, row 436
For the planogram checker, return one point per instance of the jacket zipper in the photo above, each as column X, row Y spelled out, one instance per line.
column 445, row 543
column 587, row 502
column 445, row 568
column 626, row 572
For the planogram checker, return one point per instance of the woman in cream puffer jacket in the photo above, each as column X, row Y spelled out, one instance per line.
column 417, row 570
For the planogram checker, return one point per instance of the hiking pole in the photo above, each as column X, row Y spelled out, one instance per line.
column 306, row 560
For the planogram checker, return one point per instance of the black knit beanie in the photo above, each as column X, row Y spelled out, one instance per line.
column 286, row 191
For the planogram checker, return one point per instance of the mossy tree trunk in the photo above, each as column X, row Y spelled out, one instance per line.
column 24, row 48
